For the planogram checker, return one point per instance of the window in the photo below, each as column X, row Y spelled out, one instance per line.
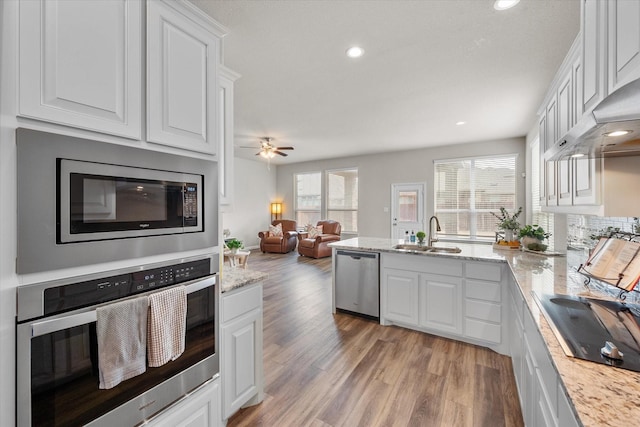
column 468, row 190
column 308, row 194
column 342, row 198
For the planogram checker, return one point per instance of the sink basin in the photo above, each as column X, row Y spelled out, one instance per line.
column 409, row 247
column 445, row 250
column 430, row 249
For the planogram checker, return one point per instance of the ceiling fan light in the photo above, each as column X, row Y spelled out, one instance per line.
column 264, row 154
column 504, row 4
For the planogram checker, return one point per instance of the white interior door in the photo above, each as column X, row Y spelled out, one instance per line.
column 407, row 209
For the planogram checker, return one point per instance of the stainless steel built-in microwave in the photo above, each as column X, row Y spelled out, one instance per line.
column 85, row 202
column 99, row 201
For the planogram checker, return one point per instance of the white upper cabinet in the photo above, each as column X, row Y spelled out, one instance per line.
column 182, row 75
column 226, row 148
column 81, row 64
column 624, row 42
column 593, row 24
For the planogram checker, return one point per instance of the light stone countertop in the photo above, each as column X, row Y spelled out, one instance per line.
column 234, row 278
column 601, row 395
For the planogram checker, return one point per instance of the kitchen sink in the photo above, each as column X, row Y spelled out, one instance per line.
column 430, row 249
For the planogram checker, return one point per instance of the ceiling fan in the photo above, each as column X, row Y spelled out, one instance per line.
column 268, row 150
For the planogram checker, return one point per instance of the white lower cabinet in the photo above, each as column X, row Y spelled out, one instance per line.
column 453, row 298
column 241, row 356
column 200, row 409
column 400, row 296
column 440, row 303
column 542, row 396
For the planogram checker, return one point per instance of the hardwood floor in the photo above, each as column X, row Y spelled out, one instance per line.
column 340, row 370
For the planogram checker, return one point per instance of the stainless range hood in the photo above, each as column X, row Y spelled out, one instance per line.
column 620, row 111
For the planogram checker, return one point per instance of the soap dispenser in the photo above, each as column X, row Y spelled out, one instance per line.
column 413, row 237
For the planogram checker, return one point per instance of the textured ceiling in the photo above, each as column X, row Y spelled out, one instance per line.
column 427, row 65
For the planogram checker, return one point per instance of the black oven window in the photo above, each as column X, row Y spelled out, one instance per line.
column 64, row 368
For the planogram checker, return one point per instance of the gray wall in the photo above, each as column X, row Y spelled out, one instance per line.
column 376, row 173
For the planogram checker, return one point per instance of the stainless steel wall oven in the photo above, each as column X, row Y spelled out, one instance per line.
column 57, row 354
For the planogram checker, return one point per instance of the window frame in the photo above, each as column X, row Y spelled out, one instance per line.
column 326, row 209
column 296, row 209
column 472, row 212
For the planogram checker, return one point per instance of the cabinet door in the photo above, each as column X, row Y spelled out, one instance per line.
column 440, row 302
column 182, row 76
column 81, row 64
column 624, row 42
column 241, row 345
column 542, row 173
column 593, row 52
column 225, row 138
column 586, row 175
column 401, row 296
column 551, row 183
column 200, row 409
column 577, row 91
column 565, row 182
column 551, row 135
column 565, row 108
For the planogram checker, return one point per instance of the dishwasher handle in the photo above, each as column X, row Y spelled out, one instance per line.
column 358, row 255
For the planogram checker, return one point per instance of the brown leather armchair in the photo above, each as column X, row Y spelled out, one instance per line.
column 279, row 244
column 318, row 247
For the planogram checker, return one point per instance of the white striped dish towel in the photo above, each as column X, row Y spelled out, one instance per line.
column 167, row 325
column 121, row 330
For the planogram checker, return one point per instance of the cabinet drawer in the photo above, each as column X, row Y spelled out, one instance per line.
column 486, row 291
column 483, row 330
column 241, row 301
column 484, row 271
column 483, row 311
column 423, row 264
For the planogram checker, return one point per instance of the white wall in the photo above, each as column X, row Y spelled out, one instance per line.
column 376, row 173
column 254, row 190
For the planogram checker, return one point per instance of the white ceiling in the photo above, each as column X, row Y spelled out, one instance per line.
column 427, row 65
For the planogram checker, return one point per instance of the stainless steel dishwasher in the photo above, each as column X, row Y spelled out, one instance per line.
column 358, row 282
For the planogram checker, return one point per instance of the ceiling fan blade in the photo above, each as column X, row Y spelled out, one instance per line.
column 284, row 148
column 258, row 153
column 281, row 153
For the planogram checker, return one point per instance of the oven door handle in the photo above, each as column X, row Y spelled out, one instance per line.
column 45, row 327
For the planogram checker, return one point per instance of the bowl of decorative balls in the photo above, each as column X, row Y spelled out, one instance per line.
column 504, row 244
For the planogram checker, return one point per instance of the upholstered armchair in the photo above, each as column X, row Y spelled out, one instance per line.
column 317, row 247
column 270, row 241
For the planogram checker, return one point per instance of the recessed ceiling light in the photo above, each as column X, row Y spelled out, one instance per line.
column 355, row 52
column 617, row 133
column 505, row 4
column 575, row 156
column 460, row 123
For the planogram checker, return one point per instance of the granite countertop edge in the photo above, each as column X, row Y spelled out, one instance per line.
column 235, row 278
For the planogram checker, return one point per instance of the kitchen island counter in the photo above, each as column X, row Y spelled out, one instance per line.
column 601, row 395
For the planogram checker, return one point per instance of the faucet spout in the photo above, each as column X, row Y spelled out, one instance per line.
column 431, row 238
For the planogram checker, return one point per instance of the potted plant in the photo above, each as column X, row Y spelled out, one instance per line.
column 420, row 235
column 234, row 245
column 508, row 223
column 532, row 236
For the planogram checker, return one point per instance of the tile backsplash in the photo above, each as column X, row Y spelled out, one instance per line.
column 582, row 228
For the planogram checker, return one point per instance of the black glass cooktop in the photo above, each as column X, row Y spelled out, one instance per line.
column 584, row 326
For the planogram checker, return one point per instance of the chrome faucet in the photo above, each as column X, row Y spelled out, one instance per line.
column 431, row 238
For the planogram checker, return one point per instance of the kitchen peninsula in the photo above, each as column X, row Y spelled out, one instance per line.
column 554, row 389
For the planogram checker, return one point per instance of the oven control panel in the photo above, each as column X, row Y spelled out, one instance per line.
column 91, row 292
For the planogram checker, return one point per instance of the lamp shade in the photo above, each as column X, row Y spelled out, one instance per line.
column 276, row 208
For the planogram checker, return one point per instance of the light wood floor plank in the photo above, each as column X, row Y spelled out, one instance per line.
column 325, row 370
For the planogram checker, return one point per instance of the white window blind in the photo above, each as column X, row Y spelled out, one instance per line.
column 468, row 190
column 342, row 198
column 308, row 195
